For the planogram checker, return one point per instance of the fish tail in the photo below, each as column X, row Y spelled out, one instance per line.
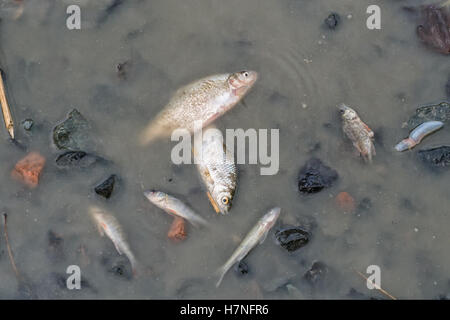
column 220, row 273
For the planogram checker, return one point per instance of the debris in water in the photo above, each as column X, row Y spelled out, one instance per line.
column 438, row 157
column 317, row 273
column 29, row 169
column 72, row 133
column 418, row 134
column 241, row 268
column 436, row 112
column 106, row 188
column 177, row 230
column 27, row 124
column 345, row 201
column 292, row 238
column 55, row 246
column 332, row 20
column 7, row 117
column 314, row 176
column 81, row 159
column 122, row 69
column 434, row 28
column 376, row 286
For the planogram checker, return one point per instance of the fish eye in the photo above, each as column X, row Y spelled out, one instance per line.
column 225, row 200
column 246, row 74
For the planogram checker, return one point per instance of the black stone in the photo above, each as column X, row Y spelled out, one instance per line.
column 292, row 238
column 437, row 112
column 81, row 159
column 106, row 188
column 241, row 268
column 317, row 273
column 314, row 176
column 27, row 124
column 72, row 133
column 436, row 157
column 332, row 21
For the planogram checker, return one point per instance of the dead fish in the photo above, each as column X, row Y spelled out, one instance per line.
column 418, row 134
column 217, row 169
column 174, row 207
column 358, row 132
column 205, row 99
column 107, row 223
column 257, row 235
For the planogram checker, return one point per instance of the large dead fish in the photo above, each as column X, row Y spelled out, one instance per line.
column 358, row 132
column 205, row 99
column 257, row 235
column 217, row 168
column 174, row 207
column 107, row 223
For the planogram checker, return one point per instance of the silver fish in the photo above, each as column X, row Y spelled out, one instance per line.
column 175, row 207
column 205, row 99
column 257, row 235
column 107, row 223
column 418, row 134
column 216, row 168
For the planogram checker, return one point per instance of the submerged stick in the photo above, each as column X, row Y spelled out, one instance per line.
column 11, row 258
column 9, row 124
column 376, row 286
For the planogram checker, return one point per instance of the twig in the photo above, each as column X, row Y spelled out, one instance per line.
column 11, row 258
column 9, row 124
column 376, row 286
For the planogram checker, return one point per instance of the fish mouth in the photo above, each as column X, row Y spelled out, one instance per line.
column 149, row 193
column 342, row 107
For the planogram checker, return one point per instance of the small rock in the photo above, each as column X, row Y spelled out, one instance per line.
column 177, row 230
column 29, row 169
column 437, row 112
column 292, row 238
column 345, row 201
column 106, row 188
column 365, row 204
column 332, row 21
column 241, row 268
column 314, row 176
column 72, row 133
column 317, row 273
column 27, row 124
column 80, row 159
column 436, row 157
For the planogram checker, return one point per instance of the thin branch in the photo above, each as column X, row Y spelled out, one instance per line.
column 11, row 258
column 376, row 286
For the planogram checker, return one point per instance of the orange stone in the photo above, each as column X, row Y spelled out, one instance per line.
column 177, row 230
column 29, row 169
column 345, row 201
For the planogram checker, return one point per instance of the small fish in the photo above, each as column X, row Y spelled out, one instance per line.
column 358, row 132
column 107, row 223
column 217, row 169
column 418, row 134
column 205, row 99
column 174, row 207
column 257, row 235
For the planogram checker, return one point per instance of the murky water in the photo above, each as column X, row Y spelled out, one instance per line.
column 305, row 71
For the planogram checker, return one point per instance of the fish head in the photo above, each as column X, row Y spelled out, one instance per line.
column 346, row 112
column 270, row 218
column 241, row 82
column 223, row 200
column 156, row 197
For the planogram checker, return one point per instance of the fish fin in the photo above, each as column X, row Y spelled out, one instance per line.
column 213, row 202
column 117, row 248
column 152, row 132
column 263, row 238
column 100, row 230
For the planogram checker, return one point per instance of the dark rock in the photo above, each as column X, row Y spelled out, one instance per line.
column 122, row 69
column 27, row 124
column 81, row 159
column 332, row 21
column 106, row 188
column 314, row 176
column 364, row 205
column 317, row 273
column 55, row 246
column 447, row 88
column 241, row 268
column 121, row 270
column 434, row 27
column 438, row 112
column 438, row 157
column 72, row 133
column 292, row 238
